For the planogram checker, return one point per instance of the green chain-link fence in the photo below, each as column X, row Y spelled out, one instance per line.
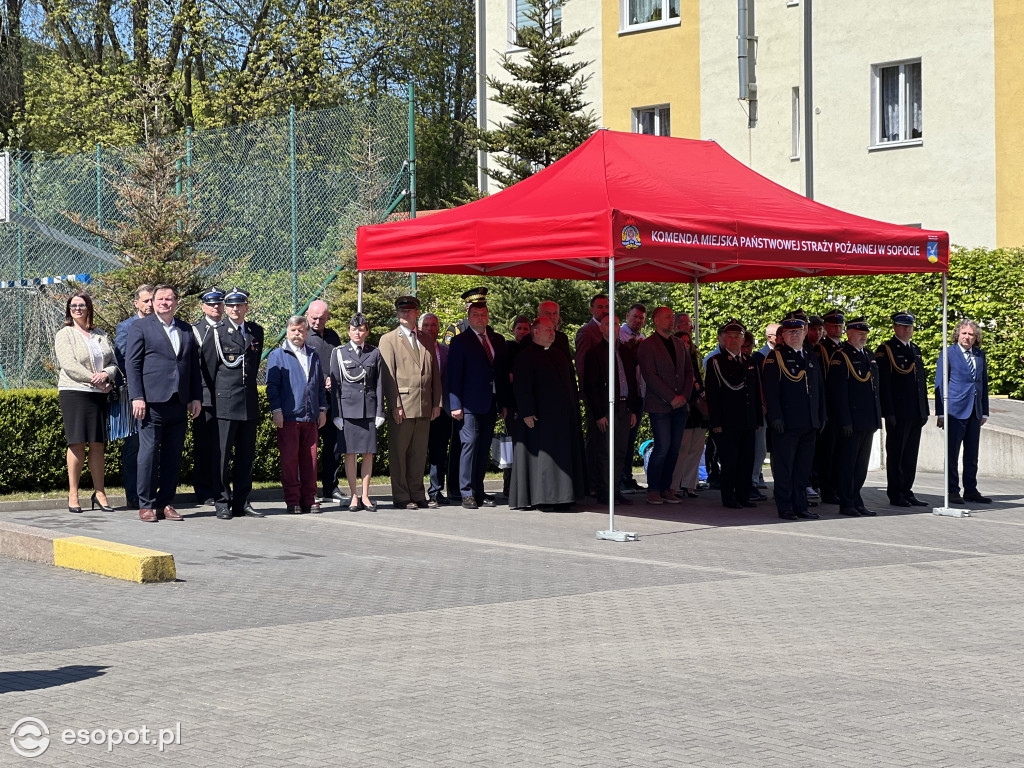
column 287, row 194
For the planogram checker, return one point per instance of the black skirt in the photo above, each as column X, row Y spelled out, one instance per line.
column 85, row 416
column 358, row 436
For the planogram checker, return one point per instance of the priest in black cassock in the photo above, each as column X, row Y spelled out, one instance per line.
column 548, row 470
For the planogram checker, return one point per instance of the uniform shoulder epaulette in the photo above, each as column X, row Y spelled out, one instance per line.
column 770, row 360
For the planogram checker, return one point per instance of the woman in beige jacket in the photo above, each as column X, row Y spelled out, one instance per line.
column 87, row 374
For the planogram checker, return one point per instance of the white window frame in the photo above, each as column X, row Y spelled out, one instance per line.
column 906, row 118
column 625, row 27
column 795, row 117
column 513, row 24
column 656, row 110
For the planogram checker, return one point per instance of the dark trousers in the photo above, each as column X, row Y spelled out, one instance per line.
column 826, row 463
column 454, row 459
column 853, row 454
column 736, row 458
column 792, row 454
column 966, row 432
column 130, row 470
column 668, row 435
column 597, row 451
column 711, row 460
column 205, row 454
column 902, row 441
column 437, row 452
column 627, row 466
column 330, row 457
column 161, row 442
column 237, row 439
column 476, row 433
column 296, row 441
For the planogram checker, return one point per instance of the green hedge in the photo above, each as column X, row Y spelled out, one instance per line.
column 35, row 455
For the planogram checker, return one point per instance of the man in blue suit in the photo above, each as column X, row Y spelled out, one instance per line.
column 479, row 388
column 967, row 409
column 164, row 381
column 130, row 452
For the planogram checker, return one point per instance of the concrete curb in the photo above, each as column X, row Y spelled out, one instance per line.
column 82, row 553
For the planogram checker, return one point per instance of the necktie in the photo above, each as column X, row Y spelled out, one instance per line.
column 487, row 348
column 412, row 340
column 970, row 364
column 359, row 351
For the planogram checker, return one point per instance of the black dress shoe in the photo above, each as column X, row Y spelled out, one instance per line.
column 829, row 499
column 250, row 511
column 296, row 510
column 866, row 512
column 369, row 506
column 851, row 511
column 916, row 502
column 808, row 515
column 788, row 515
column 978, row 498
column 96, row 503
column 223, row 512
column 337, row 495
column 956, row 498
column 488, row 501
column 469, row 502
column 899, row 503
column 440, row 499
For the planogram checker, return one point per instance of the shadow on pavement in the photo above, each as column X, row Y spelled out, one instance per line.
column 35, row 679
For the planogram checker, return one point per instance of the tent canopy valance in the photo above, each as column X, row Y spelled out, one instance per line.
column 667, row 210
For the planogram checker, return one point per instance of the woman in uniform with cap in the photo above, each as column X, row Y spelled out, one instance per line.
column 357, row 394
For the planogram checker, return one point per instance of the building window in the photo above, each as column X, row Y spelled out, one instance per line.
column 654, row 121
column 517, row 19
column 648, row 14
column 794, row 153
column 896, row 103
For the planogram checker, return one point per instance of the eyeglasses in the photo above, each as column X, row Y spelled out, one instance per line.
column 82, row 307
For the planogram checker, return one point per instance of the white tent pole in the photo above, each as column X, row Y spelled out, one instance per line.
column 613, row 374
column 696, row 312
column 359, row 295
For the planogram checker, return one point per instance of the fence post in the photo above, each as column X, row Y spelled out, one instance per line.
column 412, row 166
column 295, row 247
column 188, row 164
column 99, row 204
column 21, row 276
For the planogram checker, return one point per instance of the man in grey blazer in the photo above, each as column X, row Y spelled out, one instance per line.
column 668, row 373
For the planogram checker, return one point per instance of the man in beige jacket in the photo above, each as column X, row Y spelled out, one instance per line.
column 412, row 390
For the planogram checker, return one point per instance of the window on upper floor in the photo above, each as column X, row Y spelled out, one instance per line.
column 896, row 113
column 654, row 121
column 647, row 14
column 517, row 19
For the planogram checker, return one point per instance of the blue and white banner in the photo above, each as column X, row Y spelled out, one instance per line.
column 36, row 281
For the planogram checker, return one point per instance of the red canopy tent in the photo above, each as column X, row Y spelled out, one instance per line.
column 631, row 207
column 667, row 210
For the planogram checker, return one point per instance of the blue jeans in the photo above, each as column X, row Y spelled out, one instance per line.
column 668, row 435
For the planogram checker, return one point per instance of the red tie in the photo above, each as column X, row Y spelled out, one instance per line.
column 487, row 348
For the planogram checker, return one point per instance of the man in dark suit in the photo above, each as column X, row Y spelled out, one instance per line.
column 166, row 387
column 440, row 428
column 967, row 408
column 589, row 333
column 479, row 387
column 903, row 388
column 323, row 341
column 852, row 389
column 130, row 452
column 794, row 395
column 668, row 375
column 238, row 346
column 205, row 456
column 827, row 469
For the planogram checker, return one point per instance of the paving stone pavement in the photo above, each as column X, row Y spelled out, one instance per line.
column 504, row 638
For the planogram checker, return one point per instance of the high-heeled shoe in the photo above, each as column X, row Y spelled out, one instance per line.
column 74, row 510
column 96, row 503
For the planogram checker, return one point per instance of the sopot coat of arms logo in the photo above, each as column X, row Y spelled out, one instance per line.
column 630, row 235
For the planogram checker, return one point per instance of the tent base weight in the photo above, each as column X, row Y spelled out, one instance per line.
column 951, row 512
column 617, row 536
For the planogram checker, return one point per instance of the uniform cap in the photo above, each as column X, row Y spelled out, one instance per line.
column 732, row 324
column 815, row 320
column 859, row 323
column 235, row 297
column 834, row 317
column 213, row 296
column 475, row 296
column 358, row 319
column 407, row 302
column 792, row 324
column 797, row 313
column 903, row 318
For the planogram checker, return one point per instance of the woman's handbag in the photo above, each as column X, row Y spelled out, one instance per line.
column 120, row 418
column 501, row 451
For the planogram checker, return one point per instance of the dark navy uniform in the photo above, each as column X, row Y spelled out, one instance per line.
column 733, row 390
column 357, row 395
column 903, row 389
column 853, row 404
column 238, row 351
column 205, row 457
column 826, row 469
column 795, row 398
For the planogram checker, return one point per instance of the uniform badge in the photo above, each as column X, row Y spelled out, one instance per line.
column 231, row 358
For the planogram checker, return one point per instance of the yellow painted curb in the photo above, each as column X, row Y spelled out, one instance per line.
column 119, row 561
